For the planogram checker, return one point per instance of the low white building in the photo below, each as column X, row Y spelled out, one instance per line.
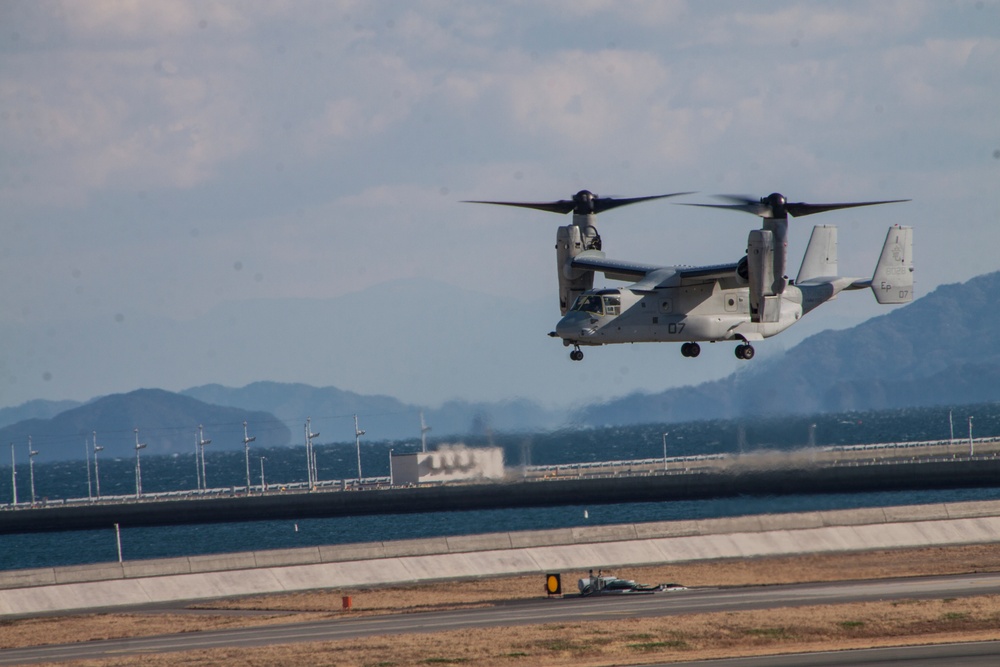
column 449, row 463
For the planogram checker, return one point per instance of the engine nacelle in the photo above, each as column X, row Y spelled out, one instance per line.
column 764, row 302
column 570, row 242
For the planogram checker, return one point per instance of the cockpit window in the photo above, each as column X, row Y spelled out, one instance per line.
column 598, row 304
column 589, row 303
column 612, row 305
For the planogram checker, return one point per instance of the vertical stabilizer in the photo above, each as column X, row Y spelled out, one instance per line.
column 820, row 260
column 893, row 279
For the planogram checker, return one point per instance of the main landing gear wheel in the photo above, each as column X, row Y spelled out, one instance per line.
column 690, row 350
column 744, row 351
column 576, row 355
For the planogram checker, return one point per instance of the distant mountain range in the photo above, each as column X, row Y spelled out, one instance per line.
column 167, row 424
column 938, row 350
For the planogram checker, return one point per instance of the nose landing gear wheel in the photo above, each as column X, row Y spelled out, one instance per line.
column 576, row 355
column 744, row 352
column 690, row 350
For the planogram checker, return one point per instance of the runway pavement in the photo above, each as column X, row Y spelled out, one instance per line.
column 573, row 609
column 978, row 654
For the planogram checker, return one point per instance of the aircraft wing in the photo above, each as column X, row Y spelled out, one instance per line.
column 612, row 268
column 650, row 276
column 698, row 274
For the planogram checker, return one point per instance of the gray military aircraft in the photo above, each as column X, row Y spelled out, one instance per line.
column 744, row 301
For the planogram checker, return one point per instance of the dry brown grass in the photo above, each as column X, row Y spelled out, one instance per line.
column 629, row 641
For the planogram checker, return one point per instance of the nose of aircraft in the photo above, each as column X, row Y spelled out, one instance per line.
column 572, row 325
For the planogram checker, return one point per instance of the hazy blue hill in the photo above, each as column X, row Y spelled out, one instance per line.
column 37, row 409
column 167, row 424
column 382, row 417
column 294, row 401
column 938, row 350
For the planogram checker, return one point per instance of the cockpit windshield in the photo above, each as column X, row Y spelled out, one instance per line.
column 598, row 304
column 589, row 303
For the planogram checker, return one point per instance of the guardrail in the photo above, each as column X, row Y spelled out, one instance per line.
column 590, row 468
column 910, row 445
column 220, row 492
column 625, row 463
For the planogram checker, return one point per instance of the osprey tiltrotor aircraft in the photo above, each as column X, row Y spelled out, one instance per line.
column 745, row 301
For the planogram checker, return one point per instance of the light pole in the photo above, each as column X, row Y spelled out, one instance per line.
column 357, row 443
column 390, row 467
column 246, row 451
column 31, row 469
column 138, row 466
column 97, row 472
column 423, row 432
column 263, row 484
column 311, row 454
column 971, row 448
column 665, row 449
column 86, row 452
column 13, row 473
column 197, row 463
column 201, row 443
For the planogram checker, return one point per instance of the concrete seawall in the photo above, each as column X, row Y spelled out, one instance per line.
column 111, row 585
column 938, row 474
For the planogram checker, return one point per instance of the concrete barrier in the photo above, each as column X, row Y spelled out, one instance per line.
column 282, row 557
column 336, row 553
column 96, row 572
column 108, row 586
column 484, row 542
column 222, row 562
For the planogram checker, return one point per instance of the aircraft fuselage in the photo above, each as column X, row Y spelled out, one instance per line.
column 702, row 312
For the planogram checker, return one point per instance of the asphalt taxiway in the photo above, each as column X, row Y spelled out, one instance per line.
column 970, row 654
column 576, row 609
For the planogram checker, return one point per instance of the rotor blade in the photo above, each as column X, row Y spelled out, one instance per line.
column 583, row 202
column 561, row 206
column 608, row 203
column 800, row 209
column 739, row 199
column 774, row 206
column 747, row 206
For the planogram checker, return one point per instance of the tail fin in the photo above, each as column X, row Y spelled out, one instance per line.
column 893, row 278
column 820, row 260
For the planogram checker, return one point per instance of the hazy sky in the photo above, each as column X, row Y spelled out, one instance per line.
column 164, row 161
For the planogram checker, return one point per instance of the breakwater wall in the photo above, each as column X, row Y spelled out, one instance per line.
column 659, row 486
column 569, row 550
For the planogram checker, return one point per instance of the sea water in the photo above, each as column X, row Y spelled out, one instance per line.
column 228, row 470
column 32, row 550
